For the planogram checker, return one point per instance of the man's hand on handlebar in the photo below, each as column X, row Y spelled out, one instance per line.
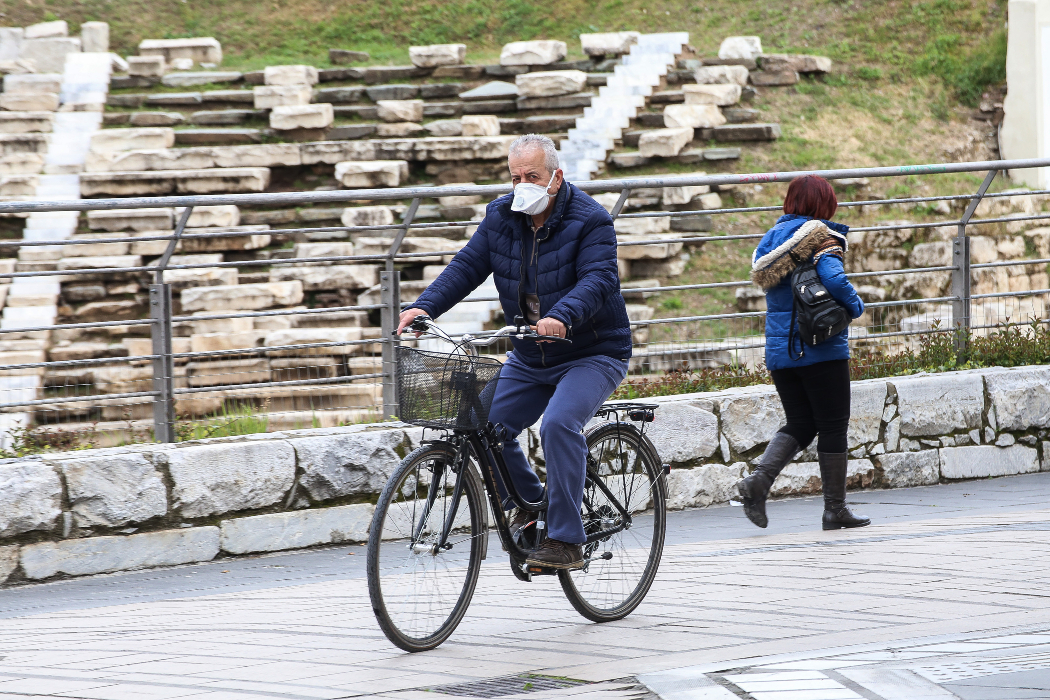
column 550, row 326
column 406, row 318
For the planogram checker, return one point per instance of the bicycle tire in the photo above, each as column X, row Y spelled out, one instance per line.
column 590, row 590
column 409, row 619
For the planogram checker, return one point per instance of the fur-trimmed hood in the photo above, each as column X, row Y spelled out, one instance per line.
column 794, row 240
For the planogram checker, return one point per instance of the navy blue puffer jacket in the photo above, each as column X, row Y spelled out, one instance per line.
column 577, row 282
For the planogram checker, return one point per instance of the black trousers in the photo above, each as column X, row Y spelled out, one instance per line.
column 816, row 402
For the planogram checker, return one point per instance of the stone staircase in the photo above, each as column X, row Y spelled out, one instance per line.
column 618, row 102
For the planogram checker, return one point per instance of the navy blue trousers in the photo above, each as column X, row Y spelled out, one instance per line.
column 567, row 397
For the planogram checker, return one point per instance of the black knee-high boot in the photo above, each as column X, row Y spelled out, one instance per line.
column 833, row 478
column 755, row 488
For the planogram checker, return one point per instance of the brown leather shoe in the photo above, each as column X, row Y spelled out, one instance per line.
column 553, row 554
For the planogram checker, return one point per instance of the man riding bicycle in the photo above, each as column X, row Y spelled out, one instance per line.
column 551, row 250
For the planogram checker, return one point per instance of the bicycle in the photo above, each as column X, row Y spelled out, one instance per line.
column 429, row 533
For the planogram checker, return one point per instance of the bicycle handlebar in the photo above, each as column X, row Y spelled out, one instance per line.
column 425, row 324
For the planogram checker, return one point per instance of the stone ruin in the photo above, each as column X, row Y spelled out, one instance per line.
column 79, row 121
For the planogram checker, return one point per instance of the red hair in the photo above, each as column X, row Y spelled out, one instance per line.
column 811, row 196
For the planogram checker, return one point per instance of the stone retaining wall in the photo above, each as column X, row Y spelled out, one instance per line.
column 121, row 508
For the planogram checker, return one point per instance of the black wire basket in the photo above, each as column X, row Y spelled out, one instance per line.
column 444, row 390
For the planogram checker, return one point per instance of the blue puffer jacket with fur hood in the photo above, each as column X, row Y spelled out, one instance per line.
column 577, row 280
column 801, row 238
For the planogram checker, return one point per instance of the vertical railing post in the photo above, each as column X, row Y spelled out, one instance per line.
column 390, row 298
column 961, row 275
column 160, row 334
column 163, row 364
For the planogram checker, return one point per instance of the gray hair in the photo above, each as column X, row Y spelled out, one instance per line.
column 550, row 151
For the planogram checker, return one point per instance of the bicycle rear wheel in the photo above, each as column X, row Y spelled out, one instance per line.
column 420, row 592
column 621, row 567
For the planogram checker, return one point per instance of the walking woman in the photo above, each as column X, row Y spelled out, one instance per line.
column 812, row 380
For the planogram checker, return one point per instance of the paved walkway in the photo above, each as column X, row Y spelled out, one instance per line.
column 785, row 613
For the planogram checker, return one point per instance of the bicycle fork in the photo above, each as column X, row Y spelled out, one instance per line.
column 432, row 492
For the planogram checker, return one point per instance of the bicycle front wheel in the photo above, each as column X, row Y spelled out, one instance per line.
column 419, row 589
column 620, row 568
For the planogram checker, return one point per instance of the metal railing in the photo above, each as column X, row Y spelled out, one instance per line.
column 179, row 375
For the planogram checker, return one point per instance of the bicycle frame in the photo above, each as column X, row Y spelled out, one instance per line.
column 490, row 460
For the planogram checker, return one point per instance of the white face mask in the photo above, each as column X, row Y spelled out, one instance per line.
column 531, row 199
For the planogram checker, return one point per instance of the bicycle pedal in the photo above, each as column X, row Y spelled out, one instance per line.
column 540, row 571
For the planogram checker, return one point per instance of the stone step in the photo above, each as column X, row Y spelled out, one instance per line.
column 156, row 182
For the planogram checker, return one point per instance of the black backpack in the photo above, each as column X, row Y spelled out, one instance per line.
column 818, row 315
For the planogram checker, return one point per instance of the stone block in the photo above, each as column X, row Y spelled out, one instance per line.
column 201, row 277
column 271, row 96
column 702, row 486
column 94, row 37
column 157, row 119
column 221, row 372
column 573, row 101
column 221, row 117
column 206, row 181
column 341, row 337
column 722, row 95
column 32, row 83
column 305, row 528
column 740, row 47
column 11, row 43
column 130, row 219
column 933, row 254
column 324, row 277
column 112, row 490
column 249, row 241
column 398, row 130
column 215, row 215
column 642, row 225
column 347, row 464
column 199, row 49
column 110, row 140
column 629, row 248
column 685, row 433
column 762, row 78
column 392, row 92
column 189, row 79
column 400, row 110
column 978, row 461
column 905, row 469
column 750, row 417
column 609, row 43
column 550, row 83
column 437, row 55
column 867, row 402
column 29, row 102
column 49, row 55
column 445, row 127
column 532, row 53
column 721, row 75
column 939, row 404
column 376, row 173
column 314, row 116
column 99, row 555
column 1020, row 397
column 343, row 56
column 495, row 90
column 290, row 75
column 47, row 30
column 221, row 478
column 175, row 99
column 671, row 267
column 339, row 95
column 746, row 132
column 480, row 125
column 800, row 63
column 242, row 297
column 683, row 194
column 30, row 497
column 802, row 478
column 18, row 185
column 367, row 216
column 664, row 142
